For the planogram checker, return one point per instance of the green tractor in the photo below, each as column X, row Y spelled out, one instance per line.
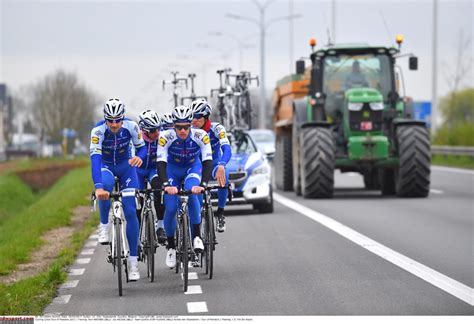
column 350, row 117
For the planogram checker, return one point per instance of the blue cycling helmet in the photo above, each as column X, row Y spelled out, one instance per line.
column 167, row 121
column 201, row 108
column 149, row 120
column 182, row 114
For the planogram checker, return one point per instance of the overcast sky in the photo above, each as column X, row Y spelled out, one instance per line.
column 126, row 48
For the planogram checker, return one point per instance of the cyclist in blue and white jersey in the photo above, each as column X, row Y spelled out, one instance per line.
column 180, row 152
column 150, row 123
column 166, row 121
column 111, row 157
column 221, row 153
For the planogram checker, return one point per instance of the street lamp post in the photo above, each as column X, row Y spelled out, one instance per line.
column 241, row 44
column 262, row 25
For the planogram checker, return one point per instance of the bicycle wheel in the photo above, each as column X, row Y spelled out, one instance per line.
column 205, row 236
column 212, row 241
column 118, row 253
column 150, row 246
column 184, row 249
column 177, row 239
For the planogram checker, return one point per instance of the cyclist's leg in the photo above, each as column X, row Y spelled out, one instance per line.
column 193, row 178
column 159, row 208
column 128, row 183
column 171, row 205
column 108, row 180
column 141, row 173
column 222, row 195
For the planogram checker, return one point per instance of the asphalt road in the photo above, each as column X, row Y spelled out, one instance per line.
column 288, row 264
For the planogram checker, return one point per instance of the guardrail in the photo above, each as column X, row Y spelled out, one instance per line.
column 453, row 150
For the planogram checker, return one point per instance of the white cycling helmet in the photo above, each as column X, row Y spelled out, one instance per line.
column 201, row 108
column 182, row 114
column 149, row 120
column 167, row 121
column 114, row 109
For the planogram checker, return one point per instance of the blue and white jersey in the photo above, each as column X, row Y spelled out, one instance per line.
column 174, row 150
column 115, row 148
column 109, row 150
column 218, row 137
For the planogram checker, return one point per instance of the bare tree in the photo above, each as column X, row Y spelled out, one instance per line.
column 456, row 73
column 60, row 101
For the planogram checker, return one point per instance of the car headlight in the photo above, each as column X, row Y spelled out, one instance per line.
column 355, row 106
column 376, row 105
column 263, row 169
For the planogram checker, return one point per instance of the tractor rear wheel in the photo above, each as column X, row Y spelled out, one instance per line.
column 317, row 158
column 413, row 179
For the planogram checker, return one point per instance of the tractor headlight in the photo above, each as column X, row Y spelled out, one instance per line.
column 376, row 105
column 355, row 106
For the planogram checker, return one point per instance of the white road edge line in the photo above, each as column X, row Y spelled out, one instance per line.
column 436, row 191
column 197, row 307
column 453, row 170
column 64, row 299
column 449, row 285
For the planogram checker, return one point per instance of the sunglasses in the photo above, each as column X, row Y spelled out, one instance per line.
column 153, row 130
column 180, row 127
column 114, row 121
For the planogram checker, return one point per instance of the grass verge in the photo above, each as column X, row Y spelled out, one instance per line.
column 463, row 162
column 30, row 296
column 21, row 234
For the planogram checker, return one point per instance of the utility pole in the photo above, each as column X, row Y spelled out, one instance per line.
column 262, row 25
column 333, row 21
column 290, row 25
column 434, row 81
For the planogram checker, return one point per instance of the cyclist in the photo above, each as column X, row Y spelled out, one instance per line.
column 180, row 152
column 166, row 121
column 150, row 123
column 110, row 153
column 221, row 153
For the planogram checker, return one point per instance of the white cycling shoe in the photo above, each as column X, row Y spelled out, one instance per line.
column 104, row 234
column 198, row 245
column 171, row 258
column 134, row 274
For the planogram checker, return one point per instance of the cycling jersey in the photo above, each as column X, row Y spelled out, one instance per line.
column 113, row 148
column 148, row 167
column 173, row 150
column 220, row 144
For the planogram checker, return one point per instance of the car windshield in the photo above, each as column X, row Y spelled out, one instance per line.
column 263, row 137
column 242, row 144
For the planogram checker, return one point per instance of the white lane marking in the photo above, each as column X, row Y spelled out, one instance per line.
column 70, row 284
column 88, row 251
column 52, row 314
column 453, row 170
column 94, row 237
column 91, row 243
column 64, row 299
column 451, row 286
column 76, row 272
column 197, row 307
column 193, row 290
column 436, row 191
column 191, row 276
column 83, row 261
